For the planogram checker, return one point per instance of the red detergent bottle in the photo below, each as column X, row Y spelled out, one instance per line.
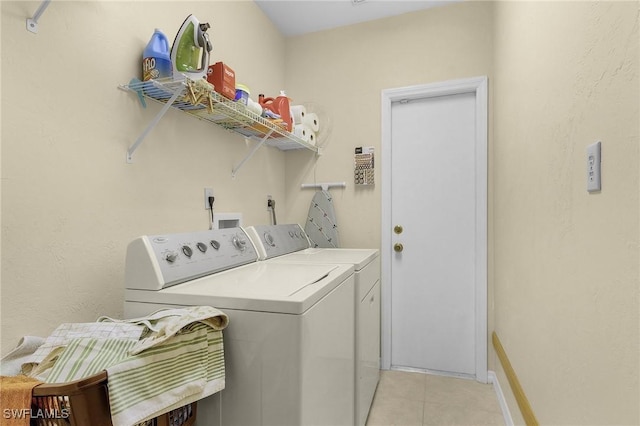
column 280, row 106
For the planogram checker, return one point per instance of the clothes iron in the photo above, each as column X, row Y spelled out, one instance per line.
column 190, row 50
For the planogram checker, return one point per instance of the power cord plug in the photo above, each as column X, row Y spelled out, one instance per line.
column 211, row 201
column 271, row 204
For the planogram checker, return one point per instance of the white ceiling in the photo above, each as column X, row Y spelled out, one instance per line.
column 295, row 17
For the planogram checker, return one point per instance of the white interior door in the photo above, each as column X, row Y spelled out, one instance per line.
column 436, row 193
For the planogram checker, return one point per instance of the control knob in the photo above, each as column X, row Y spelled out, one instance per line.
column 202, row 247
column 187, row 250
column 268, row 238
column 215, row 244
column 171, row 257
column 238, row 242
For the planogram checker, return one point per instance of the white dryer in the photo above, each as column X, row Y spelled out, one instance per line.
column 289, row 346
column 288, row 243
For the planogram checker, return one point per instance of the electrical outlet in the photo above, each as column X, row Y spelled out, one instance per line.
column 594, row 182
column 208, row 192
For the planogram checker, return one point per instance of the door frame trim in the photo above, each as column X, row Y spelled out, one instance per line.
column 477, row 86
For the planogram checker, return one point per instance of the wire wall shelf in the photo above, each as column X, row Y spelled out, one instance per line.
column 201, row 102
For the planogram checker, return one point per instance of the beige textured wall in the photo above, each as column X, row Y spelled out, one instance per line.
column 70, row 203
column 566, row 261
column 345, row 70
column 564, row 264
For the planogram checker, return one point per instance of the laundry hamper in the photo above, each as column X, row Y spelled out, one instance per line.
column 86, row 403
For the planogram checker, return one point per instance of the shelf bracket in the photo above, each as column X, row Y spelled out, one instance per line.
column 32, row 23
column 151, row 125
column 138, row 89
column 235, row 170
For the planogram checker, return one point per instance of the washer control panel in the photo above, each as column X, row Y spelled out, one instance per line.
column 157, row 261
column 277, row 240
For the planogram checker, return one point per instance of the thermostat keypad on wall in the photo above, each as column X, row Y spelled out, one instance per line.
column 364, row 170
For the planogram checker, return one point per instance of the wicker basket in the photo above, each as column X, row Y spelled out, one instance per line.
column 86, row 403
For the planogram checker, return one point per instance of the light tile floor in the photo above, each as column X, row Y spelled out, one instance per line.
column 408, row 399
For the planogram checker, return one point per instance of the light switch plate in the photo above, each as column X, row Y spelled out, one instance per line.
column 594, row 156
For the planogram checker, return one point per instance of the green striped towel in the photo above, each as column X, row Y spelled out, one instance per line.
column 164, row 323
column 40, row 362
column 86, row 357
column 184, row 368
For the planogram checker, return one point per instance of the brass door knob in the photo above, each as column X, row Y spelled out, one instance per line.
column 398, row 247
column 397, row 229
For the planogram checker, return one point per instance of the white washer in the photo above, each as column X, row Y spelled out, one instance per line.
column 289, row 346
column 288, row 243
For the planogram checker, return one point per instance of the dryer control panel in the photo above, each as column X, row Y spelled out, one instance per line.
column 277, row 240
column 154, row 262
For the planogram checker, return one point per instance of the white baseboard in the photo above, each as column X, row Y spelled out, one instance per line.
column 493, row 379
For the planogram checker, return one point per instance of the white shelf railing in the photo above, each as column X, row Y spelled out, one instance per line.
column 214, row 108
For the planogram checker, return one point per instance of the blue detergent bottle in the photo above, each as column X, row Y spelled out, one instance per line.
column 156, row 60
